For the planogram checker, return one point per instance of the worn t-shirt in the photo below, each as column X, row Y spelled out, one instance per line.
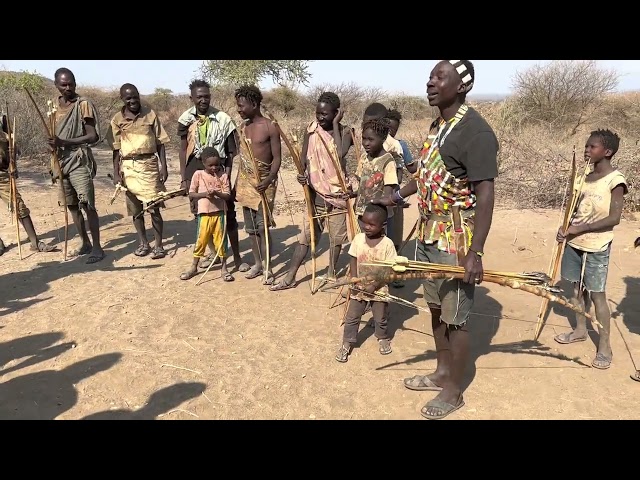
column 374, row 175
column 385, row 250
column 471, row 148
column 214, row 132
column 136, row 136
column 204, row 182
column 594, row 205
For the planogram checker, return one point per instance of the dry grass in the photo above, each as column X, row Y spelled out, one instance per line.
column 534, row 156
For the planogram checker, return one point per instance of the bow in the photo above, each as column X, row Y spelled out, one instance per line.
column 536, row 283
column 296, row 156
column 159, row 200
column 576, row 181
column 13, row 187
column 119, row 188
column 353, row 227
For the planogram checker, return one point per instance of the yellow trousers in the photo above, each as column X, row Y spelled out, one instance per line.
column 211, row 230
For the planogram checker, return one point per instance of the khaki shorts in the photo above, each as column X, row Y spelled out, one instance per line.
column 5, row 195
column 454, row 297
column 78, row 189
column 335, row 224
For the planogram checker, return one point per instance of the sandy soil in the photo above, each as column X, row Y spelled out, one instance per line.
column 125, row 338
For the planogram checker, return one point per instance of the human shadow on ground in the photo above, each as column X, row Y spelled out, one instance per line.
column 21, row 285
column 483, row 326
column 37, row 347
column 47, row 394
column 629, row 306
column 160, row 402
column 629, row 310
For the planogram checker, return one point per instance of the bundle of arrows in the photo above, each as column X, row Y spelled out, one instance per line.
column 401, row 268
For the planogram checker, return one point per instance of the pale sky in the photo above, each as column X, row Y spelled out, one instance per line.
column 494, row 77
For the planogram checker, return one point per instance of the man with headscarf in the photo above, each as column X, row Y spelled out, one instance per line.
column 455, row 187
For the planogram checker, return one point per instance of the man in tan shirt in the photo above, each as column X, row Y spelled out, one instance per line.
column 138, row 140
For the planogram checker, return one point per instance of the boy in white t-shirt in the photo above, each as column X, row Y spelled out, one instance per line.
column 585, row 261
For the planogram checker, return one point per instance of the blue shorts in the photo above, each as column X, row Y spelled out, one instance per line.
column 595, row 272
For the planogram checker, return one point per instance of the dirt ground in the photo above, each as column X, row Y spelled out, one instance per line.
column 126, row 338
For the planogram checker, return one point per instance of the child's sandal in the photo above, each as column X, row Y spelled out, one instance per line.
column 385, row 347
column 343, row 354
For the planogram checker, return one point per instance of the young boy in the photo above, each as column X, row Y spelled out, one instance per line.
column 210, row 189
column 376, row 171
column 371, row 244
column 585, row 262
column 260, row 149
column 324, row 181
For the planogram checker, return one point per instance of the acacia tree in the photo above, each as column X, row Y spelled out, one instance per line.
column 29, row 132
column 562, row 93
column 239, row 72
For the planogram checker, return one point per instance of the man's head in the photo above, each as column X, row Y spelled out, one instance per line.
column 131, row 97
column 374, row 133
column 374, row 111
column 374, row 220
column 601, row 144
column 200, row 92
column 395, row 117
column 211, row 160
column 327, row 107
column 65, row 82
column 450, row 81
column 248, row 101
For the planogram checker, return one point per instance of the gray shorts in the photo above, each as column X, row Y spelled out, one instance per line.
column 395, row 226
column 253, row 221
column 79, row 189
column 595, row 272
column 335, row 225
column 454, row 297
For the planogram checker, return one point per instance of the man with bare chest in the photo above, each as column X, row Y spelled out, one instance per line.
column 256, row 183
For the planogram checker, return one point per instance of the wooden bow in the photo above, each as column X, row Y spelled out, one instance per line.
column 354, row 227
column 537, row 283
column 119, row 188
column 297, row 160
column 576, row 181
column 265, row 211
column 181, row 192
column 50, row 129
column 13, row 169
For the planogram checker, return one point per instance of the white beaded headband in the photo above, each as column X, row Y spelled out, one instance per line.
column 462, row 70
